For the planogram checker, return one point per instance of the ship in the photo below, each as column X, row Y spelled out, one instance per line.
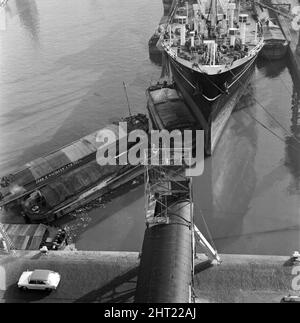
column 46, row 187
column 211, row 46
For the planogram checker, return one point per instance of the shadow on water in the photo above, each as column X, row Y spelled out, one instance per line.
column 156, row 58
column 113, row 203
column 292, row 147
column 29, row 17
column 226, row 188
column 271, row 69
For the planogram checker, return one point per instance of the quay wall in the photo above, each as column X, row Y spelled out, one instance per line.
column 112, row 276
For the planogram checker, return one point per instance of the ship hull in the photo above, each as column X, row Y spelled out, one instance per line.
column 274, row 50
column 209, row 100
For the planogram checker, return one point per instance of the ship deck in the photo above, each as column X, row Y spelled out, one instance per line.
column 196, row 56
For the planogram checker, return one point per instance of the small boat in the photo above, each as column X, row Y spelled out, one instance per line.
column 154, row 46
column 275, row 43
column 152, row 43
column 168, row 111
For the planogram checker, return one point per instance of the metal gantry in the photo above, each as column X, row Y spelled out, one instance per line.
column 169, row 203
column 165, row 184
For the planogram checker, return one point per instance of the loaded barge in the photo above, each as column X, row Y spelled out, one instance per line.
column 275, row 42
column 51, row 186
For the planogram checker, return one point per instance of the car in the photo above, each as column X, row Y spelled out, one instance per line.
column 39, row 280
column 291, row 299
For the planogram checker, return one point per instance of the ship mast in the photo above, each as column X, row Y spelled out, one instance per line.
column 214, row 13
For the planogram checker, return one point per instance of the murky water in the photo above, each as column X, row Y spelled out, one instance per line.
column 62, row 64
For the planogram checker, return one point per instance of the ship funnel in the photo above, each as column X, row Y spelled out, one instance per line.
column 232, row 33
column 243, row 26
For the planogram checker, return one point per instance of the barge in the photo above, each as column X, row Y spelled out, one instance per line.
column 167, row 109
column 275, row 43
column 42, row 188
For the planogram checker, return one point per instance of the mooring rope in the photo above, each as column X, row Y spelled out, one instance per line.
column 272, row 117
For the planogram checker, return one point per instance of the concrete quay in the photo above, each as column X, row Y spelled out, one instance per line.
column 110, row 277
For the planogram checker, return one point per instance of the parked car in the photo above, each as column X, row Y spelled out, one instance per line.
column 39, row 280
column 291, row 299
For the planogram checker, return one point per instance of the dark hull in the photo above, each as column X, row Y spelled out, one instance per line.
column 199, row 91
column 153, row 49
column 274, row 50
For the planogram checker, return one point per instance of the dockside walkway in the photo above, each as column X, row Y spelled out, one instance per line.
column 111, row 277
